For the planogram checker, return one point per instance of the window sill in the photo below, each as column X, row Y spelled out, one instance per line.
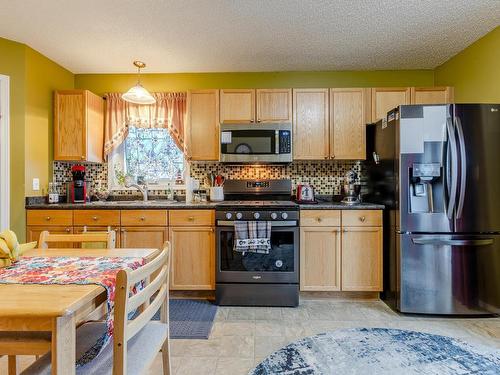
column 150, row 187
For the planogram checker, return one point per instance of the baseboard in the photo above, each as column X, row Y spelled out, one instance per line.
column 341, row 296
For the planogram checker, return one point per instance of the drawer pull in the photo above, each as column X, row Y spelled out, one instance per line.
column 362, row 219
column 68, row 230
column 95, row 218
column 142, row 218
column 48, row 218
column 191, row 218
column 318, row 219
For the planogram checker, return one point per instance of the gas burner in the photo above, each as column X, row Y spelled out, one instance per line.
column 264, row 204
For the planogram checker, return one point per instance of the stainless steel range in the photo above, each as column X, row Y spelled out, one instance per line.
column 255, row 279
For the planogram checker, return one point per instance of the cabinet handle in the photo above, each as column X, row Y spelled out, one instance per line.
column 82, row 157
column 48, row 218
column 68, row 230
column 258, row 120
column 326, row 157
column 142, row 218
column 362, row 219
column 191, row 218
column 94, row 218
column 212, row 230
column 318, row 219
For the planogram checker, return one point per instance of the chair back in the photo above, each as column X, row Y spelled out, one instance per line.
column 147, row 302
column 108, row 238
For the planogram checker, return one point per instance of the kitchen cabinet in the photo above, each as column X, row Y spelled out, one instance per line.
column 237, row 105
column 320, row 259
column 33, row 234
column 432, row 95
column 274, row 105
column 193, row 258
column 143, row 236
column 349, row 114
column 341, row 250
column 78, row 126
column 202, row 130
column 386, row 98
column 311, row 128
column 362, row 259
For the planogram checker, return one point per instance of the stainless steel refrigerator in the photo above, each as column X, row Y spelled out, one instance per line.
column 437, row 170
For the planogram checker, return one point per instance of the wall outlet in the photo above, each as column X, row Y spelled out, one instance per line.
column 36, row 184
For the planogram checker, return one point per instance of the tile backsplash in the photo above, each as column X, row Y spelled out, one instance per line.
column 325, row 176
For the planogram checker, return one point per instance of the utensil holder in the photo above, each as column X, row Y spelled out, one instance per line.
column 217, row 193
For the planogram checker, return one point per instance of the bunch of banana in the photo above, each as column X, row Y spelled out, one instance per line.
column 10, row 249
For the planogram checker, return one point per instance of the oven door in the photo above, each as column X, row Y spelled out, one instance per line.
column 266, row 143
column 281, row 265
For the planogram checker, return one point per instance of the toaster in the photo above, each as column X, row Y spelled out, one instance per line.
column 305, row 193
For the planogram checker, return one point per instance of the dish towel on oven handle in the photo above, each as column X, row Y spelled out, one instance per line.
column 252, row 237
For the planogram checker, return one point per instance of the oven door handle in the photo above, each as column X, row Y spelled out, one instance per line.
column 287, row 223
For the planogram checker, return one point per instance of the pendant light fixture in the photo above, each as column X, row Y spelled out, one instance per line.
column 138, row 94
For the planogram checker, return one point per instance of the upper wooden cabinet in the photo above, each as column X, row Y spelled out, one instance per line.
column 274, row 105
column 310, row 124
column 349, row 114
column 432, row 95
column 237, row 105
column 78, row 126
column 249, row 105
column 386, row 98
column 202, row 130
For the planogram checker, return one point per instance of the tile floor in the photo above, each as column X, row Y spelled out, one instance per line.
column 243, row 336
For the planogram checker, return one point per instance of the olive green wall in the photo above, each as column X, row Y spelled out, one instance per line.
column 474, row 72
column 33, row 77
column 102, row 83
column 43, row 76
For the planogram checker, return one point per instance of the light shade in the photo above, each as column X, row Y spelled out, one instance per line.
column 138, row 95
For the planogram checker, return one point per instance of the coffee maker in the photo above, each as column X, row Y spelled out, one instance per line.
column 77, row 189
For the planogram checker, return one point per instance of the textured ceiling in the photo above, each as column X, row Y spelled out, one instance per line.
column 102, row 36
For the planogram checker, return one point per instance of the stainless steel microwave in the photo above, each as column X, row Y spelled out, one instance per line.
column 256, row 143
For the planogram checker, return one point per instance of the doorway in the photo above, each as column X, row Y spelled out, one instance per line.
column 4, row 153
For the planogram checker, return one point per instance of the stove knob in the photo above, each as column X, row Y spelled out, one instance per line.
column 256, row 215
column 274, row 216
column 229, row 215
column 239, row 215
column 284, row 216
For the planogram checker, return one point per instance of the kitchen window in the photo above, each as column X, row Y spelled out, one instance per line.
column 147, row 154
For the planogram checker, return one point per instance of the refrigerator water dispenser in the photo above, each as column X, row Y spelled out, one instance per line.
column 423, row 177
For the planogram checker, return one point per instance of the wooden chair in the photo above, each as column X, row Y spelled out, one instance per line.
column 108, row 238
column 135, row 342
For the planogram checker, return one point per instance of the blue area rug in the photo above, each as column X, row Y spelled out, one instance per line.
column 190, row 318
column 380, row 351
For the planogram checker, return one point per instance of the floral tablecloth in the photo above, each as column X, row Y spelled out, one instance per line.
column 73, row 270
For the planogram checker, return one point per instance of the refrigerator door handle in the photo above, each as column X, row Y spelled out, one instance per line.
column 451, row 242
column 463, row 167
column 451, row 168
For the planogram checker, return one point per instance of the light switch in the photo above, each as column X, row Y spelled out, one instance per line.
column 36, row 184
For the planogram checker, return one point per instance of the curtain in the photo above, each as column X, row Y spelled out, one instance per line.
column 168, row 112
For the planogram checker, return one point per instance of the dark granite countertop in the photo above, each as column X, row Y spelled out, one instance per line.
column 341, row 206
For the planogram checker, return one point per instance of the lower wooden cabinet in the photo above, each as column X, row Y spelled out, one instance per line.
column 143, row 237
column 362, row 259
column 320, row 249
column 33, row 234
column 193, row 258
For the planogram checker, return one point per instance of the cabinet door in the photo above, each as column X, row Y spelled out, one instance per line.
column 83, row 229
column 431, row 95
column 349, row 114
column 33, row 234
column 143, row 237
column 237, row 105
column 386, row 98
column 274, row 105
column 362, row 259
column 310, row 124
column 193, row 258
column 203, row 125
column 70, row 128
column 319, row 258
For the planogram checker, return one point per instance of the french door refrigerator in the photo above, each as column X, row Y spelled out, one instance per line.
column 437, row 170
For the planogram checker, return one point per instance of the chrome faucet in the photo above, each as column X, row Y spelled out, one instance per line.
column 143, row 189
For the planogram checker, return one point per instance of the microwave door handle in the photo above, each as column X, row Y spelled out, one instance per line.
column 463, row 167
column 277, row 141
column 452, row 171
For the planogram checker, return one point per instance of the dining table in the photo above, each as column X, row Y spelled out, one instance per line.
column 58, row 309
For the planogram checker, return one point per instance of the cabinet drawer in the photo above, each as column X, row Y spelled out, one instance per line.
column 97, row 217
column 191, row 217
column 49, row 217
column 141, row 217
column 320, row 218
column 362, row 218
